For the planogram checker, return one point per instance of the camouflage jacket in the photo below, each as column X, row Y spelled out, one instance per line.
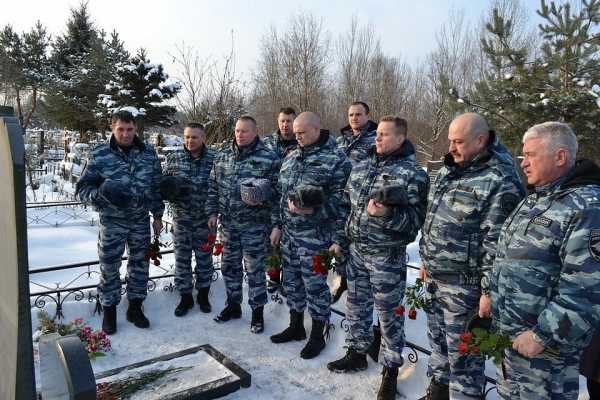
column 232, row 166
column 278, row 145
column 139, row 170
column 321, row 164
column 467, row 206
column 401, row 226
column 357, row 148
column 181, row 163
column 546, row 275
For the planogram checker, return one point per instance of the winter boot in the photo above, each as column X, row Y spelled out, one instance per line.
column 340, row 290
column 293, row 332
column 353, row 361
column 109, row 320
column 316, row 342
column 257, row 325
column 202, row 299
column 437, row 391
column 373, row 350
column 387, row 390
column 135, row 315
column 231, row 311
column 186, row 303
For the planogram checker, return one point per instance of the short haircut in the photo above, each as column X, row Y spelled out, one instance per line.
column 123, row 116
column 194, row 125
column 287, row 111
column 248, row 118
column 555, row 135
column 361, row 103
column 400, row 123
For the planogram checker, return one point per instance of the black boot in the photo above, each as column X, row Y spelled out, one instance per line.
column 340, row 290
column 316, row 342
column 353, row 361
column 293, row 332
column 185, row 304
column 109, row 320
column 231, row 311
column 437, row 391
column 202, row 299
column 373, row 350
column 387, row 390
column 257, row 325
column 135, row 315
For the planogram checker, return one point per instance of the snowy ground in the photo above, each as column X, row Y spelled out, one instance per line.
column 277, row 371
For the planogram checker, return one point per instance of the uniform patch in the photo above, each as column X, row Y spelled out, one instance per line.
column 594, row 244
column 542, row 221
column 509, row 202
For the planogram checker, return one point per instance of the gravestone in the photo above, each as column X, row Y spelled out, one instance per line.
column 17, row 380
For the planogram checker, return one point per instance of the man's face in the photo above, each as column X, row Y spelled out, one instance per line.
column 123, row 132
column 285, row 123
column 245, row 132
column 463, row 146
column 540, row 165
column 357, row 117
column 193, row 139
column 306, row 134
column 387, row 139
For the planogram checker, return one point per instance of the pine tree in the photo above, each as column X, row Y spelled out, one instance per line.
column 559, row 82
column 142, row 88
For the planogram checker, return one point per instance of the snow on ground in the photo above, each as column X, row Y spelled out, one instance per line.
column 277, row 371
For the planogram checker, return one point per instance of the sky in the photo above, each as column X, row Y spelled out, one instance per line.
column 406, row 28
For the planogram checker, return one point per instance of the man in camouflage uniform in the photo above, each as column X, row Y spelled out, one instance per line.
column 185, row 186
column 474, row 192
column 121, row 181
column 378, row 234
column 282, row 142
column 546, row 275
column 306, row 228
column 245, row 225
column 355, row 140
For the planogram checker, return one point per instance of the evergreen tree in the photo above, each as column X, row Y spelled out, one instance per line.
column 142, row 88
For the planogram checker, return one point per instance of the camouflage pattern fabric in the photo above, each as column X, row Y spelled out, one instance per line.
column 467, row 206
column 303, row 236
column 357, row 147
column 190, row 219
column 138, row 169
column 245, row 228
column 278, row 145
column 546, row 278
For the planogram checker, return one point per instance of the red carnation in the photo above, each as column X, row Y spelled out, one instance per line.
column 212, row 237
column 273, row 273
column 206, row 247
column 399, row 311
column 474, row 350
column 218, row 249
column 466, row 337
column 463, row 348
column 156, row 262
column 412, row 313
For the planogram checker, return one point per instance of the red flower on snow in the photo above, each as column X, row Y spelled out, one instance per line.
column 412, row 313
column 399, row 311
column 218, row 249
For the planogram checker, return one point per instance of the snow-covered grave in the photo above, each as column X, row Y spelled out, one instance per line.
column 277, row 371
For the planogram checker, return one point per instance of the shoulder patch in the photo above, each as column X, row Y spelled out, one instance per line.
column 509, row 202
column 594, row 244
column 542, row 221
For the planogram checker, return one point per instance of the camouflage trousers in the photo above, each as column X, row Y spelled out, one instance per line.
column 189, row 234
column 378, row 279
column 247, row 243
column 544, row 377
column 302, row 285
column 452, row 305
column 114, row 235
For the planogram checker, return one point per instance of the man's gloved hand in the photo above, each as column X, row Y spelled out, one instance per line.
column 307, row 196
column 116, row 193
column 174, row 188
column 390, row 196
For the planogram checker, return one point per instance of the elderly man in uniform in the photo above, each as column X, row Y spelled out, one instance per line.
column 186, row 179
column 388, row 197
column 121, row 181
column 311, row 210
column 474, row 192
column 245, row 220
column 546, row 275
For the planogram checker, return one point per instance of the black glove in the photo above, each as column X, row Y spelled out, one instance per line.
column 390, row 196
column 307, row 197
column 175, row 188
column 116, row 193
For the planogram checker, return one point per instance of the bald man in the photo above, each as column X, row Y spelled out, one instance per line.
column 473, row 194
column 312, row 209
